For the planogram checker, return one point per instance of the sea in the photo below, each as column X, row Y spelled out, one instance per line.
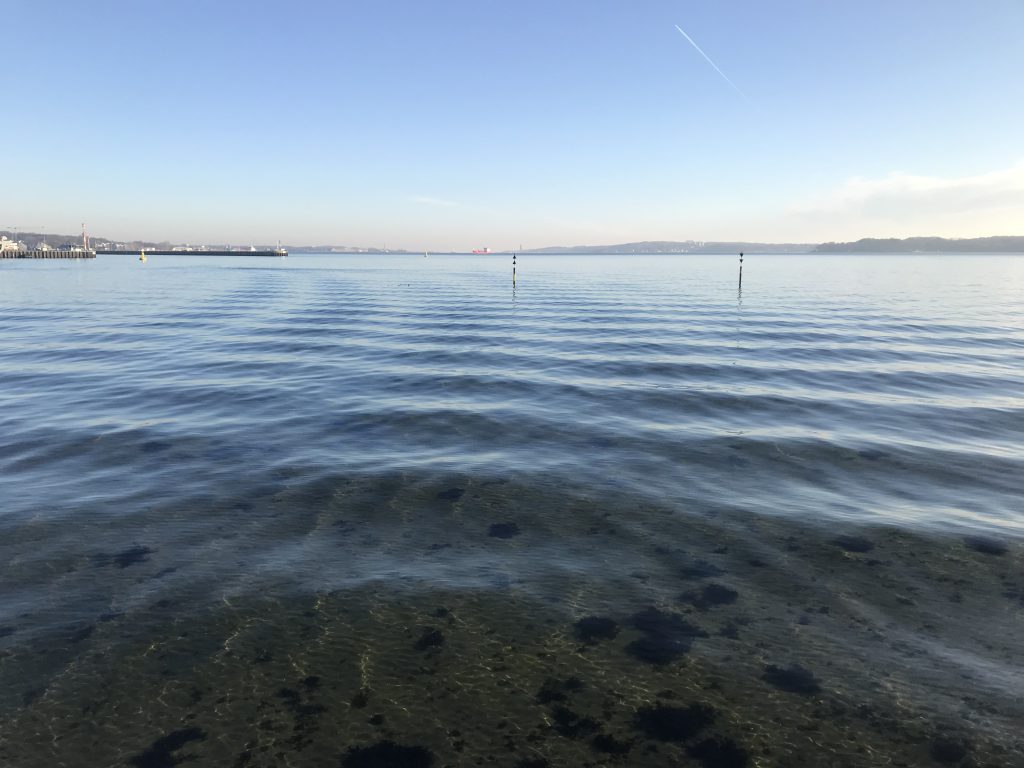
column 413, row 511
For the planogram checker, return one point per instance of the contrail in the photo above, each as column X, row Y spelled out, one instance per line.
column 724, row 76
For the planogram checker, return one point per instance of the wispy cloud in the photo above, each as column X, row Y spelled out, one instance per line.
column 423, row 200
column 902, row 204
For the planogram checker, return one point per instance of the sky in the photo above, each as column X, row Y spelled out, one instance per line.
column 461, row 124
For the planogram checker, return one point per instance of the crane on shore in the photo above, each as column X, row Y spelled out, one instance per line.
column 16, row 229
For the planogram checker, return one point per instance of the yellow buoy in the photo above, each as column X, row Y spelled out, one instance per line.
column 142, row 255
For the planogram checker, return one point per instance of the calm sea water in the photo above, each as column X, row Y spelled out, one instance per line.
column 395, row 510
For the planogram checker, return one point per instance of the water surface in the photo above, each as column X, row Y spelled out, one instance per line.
column 351, row 510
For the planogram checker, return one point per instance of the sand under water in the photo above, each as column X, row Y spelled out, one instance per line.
column 484, row 622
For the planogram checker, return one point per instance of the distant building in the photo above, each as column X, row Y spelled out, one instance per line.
column 10, row 245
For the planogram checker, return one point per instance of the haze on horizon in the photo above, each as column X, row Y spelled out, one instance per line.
column 468, row 124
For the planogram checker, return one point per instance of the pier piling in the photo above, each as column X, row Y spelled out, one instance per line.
column 48, row 254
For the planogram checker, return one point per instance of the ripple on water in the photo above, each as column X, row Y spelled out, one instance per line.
column 362, row 513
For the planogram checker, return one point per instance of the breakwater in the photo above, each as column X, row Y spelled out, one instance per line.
column 48, row 254
column 156, row 252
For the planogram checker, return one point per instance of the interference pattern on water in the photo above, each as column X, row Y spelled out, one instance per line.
column 343, row 511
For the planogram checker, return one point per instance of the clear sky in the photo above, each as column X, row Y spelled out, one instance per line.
column 471, row 123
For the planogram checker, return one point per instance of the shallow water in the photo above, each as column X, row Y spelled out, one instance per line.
column 338, row 510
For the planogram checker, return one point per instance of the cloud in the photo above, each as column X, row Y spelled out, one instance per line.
column 423, row 200
column 903, row 204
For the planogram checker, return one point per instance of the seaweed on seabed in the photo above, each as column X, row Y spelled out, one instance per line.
column 795, row 679
column 125, row 558
column 666, row 637
column 667, row 723
column 431, row 638
column 700, row 569
column 572, row 725
column 503, row 530
column 593, row 629
column 948, row 750
column 986, row 545
column 387, row 754
column 159, row 753
column 608, row 744
column 558, row 690
column 857, row 544
column 710, row 596
column 719, row 752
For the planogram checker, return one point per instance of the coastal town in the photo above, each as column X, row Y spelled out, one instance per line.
column 20, row 249
column 12, row 248
column 37, row 246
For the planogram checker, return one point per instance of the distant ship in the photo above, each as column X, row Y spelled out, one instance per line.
column 482, row 250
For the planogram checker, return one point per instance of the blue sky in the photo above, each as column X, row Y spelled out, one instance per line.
column 470, row 123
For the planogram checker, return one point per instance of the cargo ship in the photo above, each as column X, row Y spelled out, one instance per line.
column 482, row 250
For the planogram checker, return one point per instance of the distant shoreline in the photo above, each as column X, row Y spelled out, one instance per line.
column 1010, row 244
column 657, row 253
column 888, row 246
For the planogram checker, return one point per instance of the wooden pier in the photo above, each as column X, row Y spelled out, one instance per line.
column 48, row 254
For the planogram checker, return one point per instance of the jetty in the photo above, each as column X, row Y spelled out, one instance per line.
column 14, row 249
column 48, row 253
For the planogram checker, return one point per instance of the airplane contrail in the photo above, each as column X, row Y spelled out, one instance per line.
column 724, row 76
